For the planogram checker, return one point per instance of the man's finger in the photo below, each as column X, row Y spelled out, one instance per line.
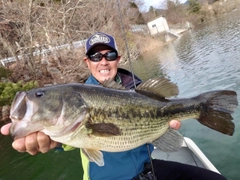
column 175, row 124
column 31, row 144
column 5, row 129
column 19, row 145
column 44, row 142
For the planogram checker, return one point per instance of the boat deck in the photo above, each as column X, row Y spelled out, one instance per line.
column 188, row 154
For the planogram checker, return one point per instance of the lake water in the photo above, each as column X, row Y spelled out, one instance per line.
column 206, row 58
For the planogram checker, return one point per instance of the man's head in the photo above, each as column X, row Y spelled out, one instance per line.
column 102, row 56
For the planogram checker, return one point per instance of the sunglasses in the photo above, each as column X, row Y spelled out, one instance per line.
column 109, row 56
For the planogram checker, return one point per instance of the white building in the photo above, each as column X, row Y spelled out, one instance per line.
column 158, row 25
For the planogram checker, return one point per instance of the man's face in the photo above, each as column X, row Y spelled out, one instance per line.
column 103, row 69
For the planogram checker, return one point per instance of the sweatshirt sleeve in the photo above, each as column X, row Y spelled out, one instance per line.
column 67, row 148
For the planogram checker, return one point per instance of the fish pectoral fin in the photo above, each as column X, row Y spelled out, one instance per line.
column 94, row 156
column 170, row 141
column 158, row 88
column 103, row 129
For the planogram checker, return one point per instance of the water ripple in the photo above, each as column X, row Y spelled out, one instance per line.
column 204, row 59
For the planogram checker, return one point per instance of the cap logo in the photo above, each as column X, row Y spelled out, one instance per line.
column 99, row 38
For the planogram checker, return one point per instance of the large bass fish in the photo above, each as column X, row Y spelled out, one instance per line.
column 94, row 118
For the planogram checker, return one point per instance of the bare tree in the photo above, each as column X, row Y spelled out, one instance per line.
column 41, row 25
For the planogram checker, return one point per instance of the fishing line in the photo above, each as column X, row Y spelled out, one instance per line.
column 149, row 154
column 125, row 40
column 131, row 69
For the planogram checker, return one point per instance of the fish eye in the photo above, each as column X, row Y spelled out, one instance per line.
column 39, row 94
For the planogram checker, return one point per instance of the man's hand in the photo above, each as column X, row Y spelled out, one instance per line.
column 33, row 143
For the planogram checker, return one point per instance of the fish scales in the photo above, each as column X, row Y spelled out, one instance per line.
column 144, row 117
column 137, row 118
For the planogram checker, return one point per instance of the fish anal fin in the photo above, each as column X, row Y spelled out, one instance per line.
column 103, row 129
column 94, row 156
column 170, row 141
column 158, row 88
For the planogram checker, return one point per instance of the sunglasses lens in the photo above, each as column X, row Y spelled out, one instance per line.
column 96, row 57
column 111, row 56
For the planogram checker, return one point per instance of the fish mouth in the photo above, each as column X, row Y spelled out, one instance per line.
column 20, row 113
column 26, row 118
column 22, row 129
column 18, row 101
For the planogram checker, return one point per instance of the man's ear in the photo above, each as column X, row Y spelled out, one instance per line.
column 118, row 59
column 86, row 61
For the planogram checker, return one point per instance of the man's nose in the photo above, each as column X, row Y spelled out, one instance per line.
column 104, row 61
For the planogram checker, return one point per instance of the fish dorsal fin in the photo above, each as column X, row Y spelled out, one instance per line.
column 103, row 129
column 94, row 155
column 110, row 83
column 158, row 88
column 172, row 140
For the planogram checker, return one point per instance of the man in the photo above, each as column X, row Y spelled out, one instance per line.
column 102, row 59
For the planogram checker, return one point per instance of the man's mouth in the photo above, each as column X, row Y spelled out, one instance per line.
column 104, row 71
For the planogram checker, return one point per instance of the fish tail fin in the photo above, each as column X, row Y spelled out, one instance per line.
column 216, row 110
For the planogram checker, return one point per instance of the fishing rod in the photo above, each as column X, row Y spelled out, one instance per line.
column 153, row 177
column 125, row 40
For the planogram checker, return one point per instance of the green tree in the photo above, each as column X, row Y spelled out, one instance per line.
column 4, row 73
column 194, row 6
column 9, row 89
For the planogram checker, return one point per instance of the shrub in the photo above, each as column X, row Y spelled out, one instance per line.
column 8, row 90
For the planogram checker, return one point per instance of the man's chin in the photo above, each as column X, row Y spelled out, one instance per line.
column 105, row 78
